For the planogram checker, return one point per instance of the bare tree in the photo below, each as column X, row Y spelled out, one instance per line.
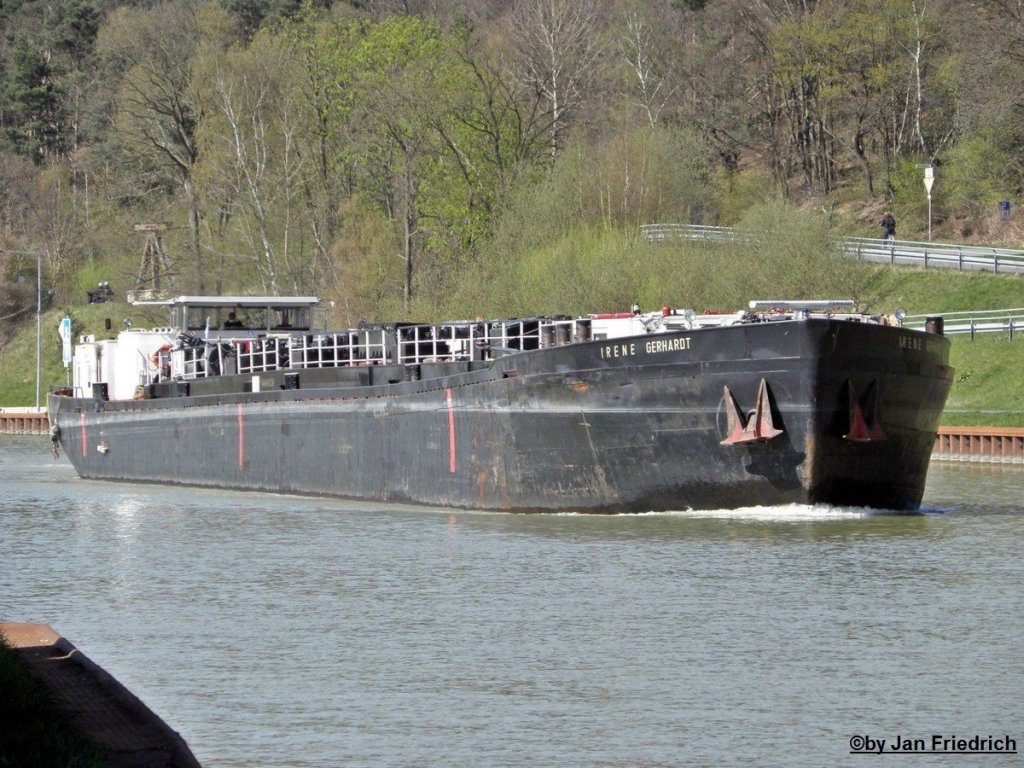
column 921, row 48
column 257, row 157
column 726, row 89
column 558, row 52
column 653, row 80
column 506, row 119
column 159, row 110
column 247, row 137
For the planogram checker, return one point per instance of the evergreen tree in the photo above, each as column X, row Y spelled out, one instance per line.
column 73, row 25
column 34, row 117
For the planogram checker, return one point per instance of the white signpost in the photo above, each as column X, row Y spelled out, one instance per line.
column 929, row 179
column 65, row 335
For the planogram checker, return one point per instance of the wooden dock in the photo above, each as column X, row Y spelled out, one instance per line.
column 23, row 421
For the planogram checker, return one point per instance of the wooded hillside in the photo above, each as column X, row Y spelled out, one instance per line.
column 394, row 157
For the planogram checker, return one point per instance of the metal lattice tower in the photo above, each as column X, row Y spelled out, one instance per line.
column 155, row 269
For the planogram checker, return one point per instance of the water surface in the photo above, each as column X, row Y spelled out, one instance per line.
column 285, row 631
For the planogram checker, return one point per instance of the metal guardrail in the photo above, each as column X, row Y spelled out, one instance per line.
column 1008, row 321
column 942, row 255
column 893, row 252
column 658, row 233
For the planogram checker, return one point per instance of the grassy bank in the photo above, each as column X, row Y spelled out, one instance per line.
column 18, row 356
column 942, row 290
column 32, row 732
column 988, row 386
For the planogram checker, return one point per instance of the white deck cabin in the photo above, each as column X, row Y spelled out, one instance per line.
column 138, row 357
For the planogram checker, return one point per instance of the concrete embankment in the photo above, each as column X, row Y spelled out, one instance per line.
column 129, row 734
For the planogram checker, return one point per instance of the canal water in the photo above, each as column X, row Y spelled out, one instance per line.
column 283, row 631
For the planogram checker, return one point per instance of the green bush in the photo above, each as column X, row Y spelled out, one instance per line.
column 975, row 174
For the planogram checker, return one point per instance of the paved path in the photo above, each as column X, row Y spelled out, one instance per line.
column 128, row 732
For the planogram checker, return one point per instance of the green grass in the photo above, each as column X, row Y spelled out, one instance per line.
column 988, row 389
column 32, row 732
column 942, row 290
column 18, row 356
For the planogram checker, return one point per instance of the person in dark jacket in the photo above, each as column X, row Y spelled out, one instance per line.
column 888, row 227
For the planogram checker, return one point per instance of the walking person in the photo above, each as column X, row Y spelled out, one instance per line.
column 888, row 226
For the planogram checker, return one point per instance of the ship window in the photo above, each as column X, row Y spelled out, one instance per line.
column 198, row 317
column 290, row 318
column 283, row 318
column 254, row 317
column 233, row 318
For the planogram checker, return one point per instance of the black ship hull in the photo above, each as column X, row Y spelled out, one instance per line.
column 631, row 425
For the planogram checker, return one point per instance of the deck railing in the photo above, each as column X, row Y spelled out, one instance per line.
column 403, row 345
column 330, row 350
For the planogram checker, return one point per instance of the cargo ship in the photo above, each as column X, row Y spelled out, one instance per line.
column 782, row 402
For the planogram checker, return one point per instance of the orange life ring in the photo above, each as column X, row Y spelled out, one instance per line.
column 156, row 354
